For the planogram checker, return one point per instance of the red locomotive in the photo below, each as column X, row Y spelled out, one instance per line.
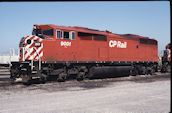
column 83, row 52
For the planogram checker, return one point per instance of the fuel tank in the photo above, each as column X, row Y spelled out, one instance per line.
column 109, row 71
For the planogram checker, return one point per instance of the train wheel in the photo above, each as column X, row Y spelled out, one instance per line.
column 164, row 68
column 13, row 73
column 169, row 68
column 149, row 71
column 43, row 80
column 156, row 68
column 26, row 79
column 142, row 70
column 62, row 77
column 134, row 72
column 80, row 76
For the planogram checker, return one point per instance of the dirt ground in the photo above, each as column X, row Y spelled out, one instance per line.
column 143, row 94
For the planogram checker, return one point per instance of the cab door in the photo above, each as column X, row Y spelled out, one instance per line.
column 66, row 45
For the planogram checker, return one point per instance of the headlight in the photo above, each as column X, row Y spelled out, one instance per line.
column 28, row 41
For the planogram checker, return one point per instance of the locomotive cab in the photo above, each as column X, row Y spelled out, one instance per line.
column 44, row 33
column 47, row 32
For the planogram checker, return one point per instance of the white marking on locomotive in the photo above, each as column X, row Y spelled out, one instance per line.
column 29, row 51
column 37, row 51
column 117, row 44
column 28, row 37
column 28, row 45
column 65, row 44
column 40, row 55
column 29, row 48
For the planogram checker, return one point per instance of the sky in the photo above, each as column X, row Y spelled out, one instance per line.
column 146, row 18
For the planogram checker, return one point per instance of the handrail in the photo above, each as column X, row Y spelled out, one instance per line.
column 23, row 59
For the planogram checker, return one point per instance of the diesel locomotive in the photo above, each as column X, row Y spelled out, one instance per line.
column 82, row 52
column 166, row 59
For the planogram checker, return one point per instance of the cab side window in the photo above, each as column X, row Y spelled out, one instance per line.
column 65, row 35
column 58, row 34
column 72, row 35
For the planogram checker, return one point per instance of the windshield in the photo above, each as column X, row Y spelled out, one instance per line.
column 39, row 33
column 36, row 32
column 48, row 32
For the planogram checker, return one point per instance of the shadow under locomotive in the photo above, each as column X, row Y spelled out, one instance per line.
column 73, row 85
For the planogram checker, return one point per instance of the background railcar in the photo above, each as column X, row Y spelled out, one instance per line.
column 166, row 59
column 64, row 51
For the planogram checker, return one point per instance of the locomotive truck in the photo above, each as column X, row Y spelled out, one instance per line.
column 65, row 51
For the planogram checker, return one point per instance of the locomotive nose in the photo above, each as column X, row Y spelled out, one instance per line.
column 31, row 48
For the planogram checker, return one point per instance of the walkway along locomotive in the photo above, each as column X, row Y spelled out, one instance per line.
column 63, row 51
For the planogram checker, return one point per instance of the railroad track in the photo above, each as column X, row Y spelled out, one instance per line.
column 88, row 84
column 4, row 70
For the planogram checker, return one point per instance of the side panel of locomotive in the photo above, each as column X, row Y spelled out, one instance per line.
column 58, row 50
column 113, row 48
column 148, row 50
column 122, row 49
column 90, row 49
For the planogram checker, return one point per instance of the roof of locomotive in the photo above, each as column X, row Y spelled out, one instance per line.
column 93, row 31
